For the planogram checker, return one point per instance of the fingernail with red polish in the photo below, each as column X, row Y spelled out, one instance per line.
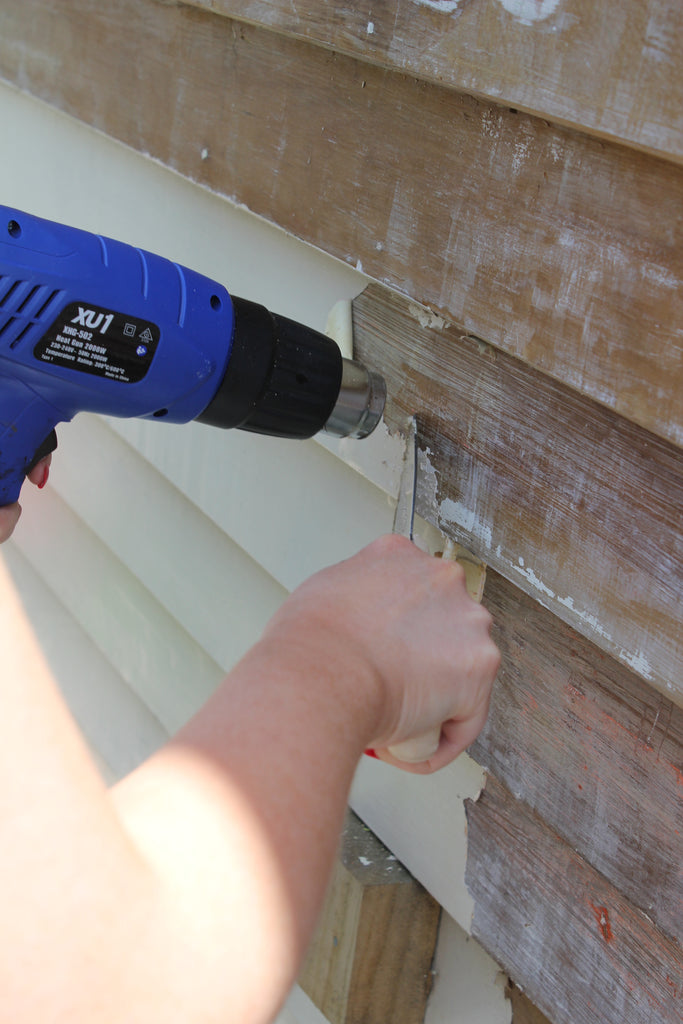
column 371, row 753
column 44, row 480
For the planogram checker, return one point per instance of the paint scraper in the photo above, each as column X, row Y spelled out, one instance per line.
column 418, row 748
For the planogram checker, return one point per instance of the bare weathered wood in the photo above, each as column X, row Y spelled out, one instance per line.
column 615, row 72
column 576, row 505
column 370, row 959
column 566, row 936
column 591, row 749
column 560, row 248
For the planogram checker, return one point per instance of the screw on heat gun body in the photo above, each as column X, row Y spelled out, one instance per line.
column 88, row 324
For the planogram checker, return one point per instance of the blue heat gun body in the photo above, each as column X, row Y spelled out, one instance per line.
column 89, row 324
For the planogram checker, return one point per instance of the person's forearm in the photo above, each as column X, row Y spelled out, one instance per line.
column 187, row 894
column 240, row 815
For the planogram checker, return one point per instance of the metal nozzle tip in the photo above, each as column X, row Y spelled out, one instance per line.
column 360, row 402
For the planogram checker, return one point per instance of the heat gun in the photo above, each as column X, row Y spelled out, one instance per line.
column 89, row 324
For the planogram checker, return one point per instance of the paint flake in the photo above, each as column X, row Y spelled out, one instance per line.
column 529, row 11
column 466, row 518
column 426, row 317
column 445, row 6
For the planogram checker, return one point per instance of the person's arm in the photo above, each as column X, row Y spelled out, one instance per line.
column 189, row 893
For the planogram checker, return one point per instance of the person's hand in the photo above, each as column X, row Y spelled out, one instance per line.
column 402, row 623
column 9, row 514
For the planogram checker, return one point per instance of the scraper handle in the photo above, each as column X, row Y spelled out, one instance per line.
column 421, row 747
column 417, row 749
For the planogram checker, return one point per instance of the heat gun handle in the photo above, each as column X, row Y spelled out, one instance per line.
column 48, row 446
column 26, row 435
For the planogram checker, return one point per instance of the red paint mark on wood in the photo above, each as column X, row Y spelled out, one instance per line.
column 601, row 915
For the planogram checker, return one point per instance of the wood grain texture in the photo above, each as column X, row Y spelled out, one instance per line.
column 561, row 249
column 576, row 505
column 617, row 74
column 523, row 1010
column 371, row 957
column 591, row 749
column 581, row 952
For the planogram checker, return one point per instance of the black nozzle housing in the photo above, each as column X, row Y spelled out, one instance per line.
column 282, row 378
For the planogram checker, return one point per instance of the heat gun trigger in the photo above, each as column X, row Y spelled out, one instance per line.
column 49, row 445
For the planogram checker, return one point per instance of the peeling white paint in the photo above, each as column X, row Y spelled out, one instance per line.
column 661, row 276
column 531, row 577
column 491, row 123
column 556, row 150
column 529, row 11
column 456, row 513
column 590, row 620
column 427, row 318
column 526, row 11
column 639, row 663
column 427, row 480
column 445, row 6
column 521, row 151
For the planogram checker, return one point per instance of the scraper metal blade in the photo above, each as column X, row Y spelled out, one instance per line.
column 404, row 516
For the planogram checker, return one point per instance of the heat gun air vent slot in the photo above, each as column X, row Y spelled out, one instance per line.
column 9, row 288
column 25, row 302
column 24, row 306
column 6, row 326
column 22, row 334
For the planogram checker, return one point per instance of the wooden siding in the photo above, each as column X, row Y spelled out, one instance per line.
column 591, row 749
column 578, row 49
column 590, row 954
column 533, row 322
column 575, row 504
column 559, row 248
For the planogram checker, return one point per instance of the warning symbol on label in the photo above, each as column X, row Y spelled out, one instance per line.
column 146, row 335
